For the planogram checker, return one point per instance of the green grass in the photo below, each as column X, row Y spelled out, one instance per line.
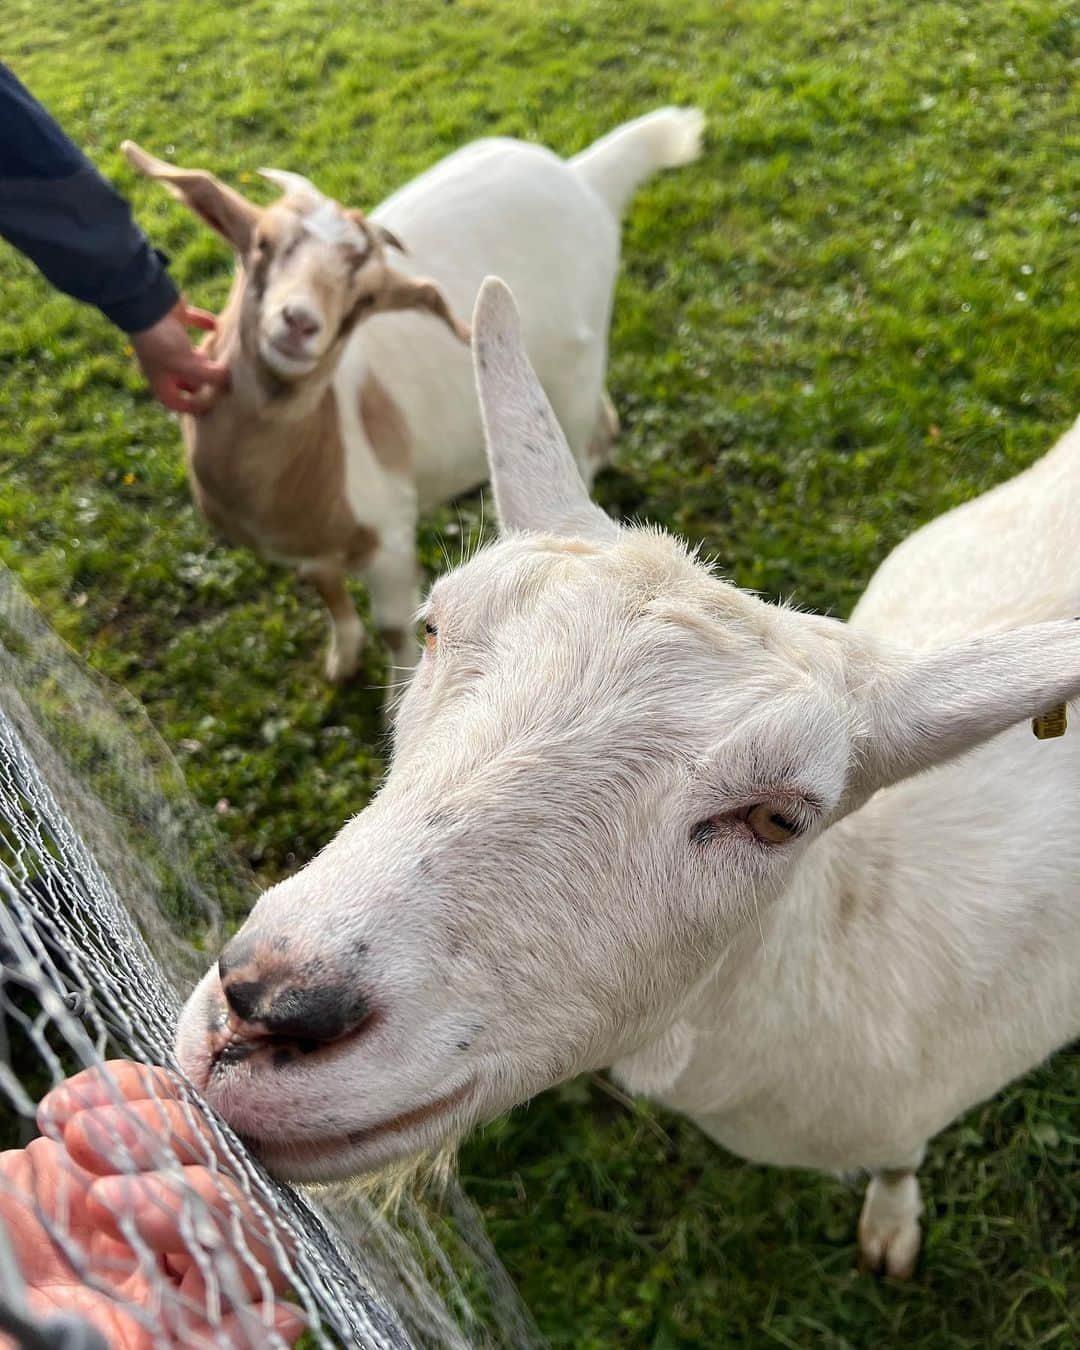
column 858, row 309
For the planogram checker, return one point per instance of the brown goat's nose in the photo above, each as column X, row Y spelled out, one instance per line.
column 300, row 320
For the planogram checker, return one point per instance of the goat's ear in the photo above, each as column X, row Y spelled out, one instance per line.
column 388, row 237
column 917, row 711
column 401, row 292
column 536, row 481
column 223, row 209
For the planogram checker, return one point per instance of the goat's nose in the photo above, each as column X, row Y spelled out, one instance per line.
column 281, row 1005
column 300, row 320
column 319, row 1014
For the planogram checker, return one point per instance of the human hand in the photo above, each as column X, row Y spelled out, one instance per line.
column 100, row 1172
column 182, row 378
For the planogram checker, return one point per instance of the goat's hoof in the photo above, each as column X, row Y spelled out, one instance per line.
column 893, row 1252
column 889, row 1232
column 402, row 654
column 340, row 672
column 890, row 1248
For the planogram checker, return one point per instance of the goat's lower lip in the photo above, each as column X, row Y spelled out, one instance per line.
column 312, row 1149
column 288, row 359
column 295, row 351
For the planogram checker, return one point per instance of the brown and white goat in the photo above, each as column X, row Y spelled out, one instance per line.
column 337, row 434
column 268, row 462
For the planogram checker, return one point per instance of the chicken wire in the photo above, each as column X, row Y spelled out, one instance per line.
column 112, row 888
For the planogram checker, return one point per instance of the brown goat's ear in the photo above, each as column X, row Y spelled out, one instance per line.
column 224, row 210
column 389, row 238
column 402, row 292
column 385, row 237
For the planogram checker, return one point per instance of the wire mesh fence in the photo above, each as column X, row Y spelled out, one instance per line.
column 129, row 1212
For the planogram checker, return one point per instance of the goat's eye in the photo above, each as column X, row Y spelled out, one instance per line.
column 431, row 635
column 771, row 825
column 766, row 821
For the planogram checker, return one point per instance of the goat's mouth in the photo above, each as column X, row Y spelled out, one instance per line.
column 288, row 358
column 260, row 1053
column 335, row 1156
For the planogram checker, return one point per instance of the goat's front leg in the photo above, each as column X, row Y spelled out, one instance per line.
column 346, row 630
column 889, row 1232
column 393, row 583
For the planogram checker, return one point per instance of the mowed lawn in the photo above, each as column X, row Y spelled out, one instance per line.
column 857, row 310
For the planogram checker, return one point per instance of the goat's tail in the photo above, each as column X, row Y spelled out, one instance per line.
column 618, row 163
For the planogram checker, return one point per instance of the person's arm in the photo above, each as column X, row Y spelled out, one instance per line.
column 76, row 228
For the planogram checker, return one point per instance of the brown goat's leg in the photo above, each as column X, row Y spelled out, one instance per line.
column 393, row 583
column 346, row 630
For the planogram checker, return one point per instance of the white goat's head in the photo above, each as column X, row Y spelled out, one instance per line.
column 312, row 268
column 605, row 761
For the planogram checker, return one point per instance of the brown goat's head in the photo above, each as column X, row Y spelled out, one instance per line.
column 312, row 267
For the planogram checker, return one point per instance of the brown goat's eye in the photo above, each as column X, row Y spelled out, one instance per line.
column 771, row 825
column 431, row 635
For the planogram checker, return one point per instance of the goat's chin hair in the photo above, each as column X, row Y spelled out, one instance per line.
column 427, row 1174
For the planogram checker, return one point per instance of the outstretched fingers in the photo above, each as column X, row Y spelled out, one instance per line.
column 195, row 317
column 114, row 1081
column 138, row 1136
column 195, row 1209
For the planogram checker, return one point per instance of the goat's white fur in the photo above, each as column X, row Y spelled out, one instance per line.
column 558, row 874
column 553, row 227
column 325, row 220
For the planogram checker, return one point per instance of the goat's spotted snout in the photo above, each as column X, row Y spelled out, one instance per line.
column 274, row 997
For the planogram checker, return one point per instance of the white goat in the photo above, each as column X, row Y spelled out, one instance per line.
column 336, row 433
column 639, row 818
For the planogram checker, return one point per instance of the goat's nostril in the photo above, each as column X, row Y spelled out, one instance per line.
column 300, row 320
column 307, row 1016
column 311, row 1017
column 267, row 1008
column 244, row 997
column 235, row 1052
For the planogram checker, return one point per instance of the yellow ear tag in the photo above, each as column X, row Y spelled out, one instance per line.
column 1049, row 724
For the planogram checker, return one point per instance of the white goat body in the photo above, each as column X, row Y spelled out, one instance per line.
column 812, row 883
column 551, row 227
column 926, row 949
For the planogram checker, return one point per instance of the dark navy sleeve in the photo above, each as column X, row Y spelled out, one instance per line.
column 57, row 209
